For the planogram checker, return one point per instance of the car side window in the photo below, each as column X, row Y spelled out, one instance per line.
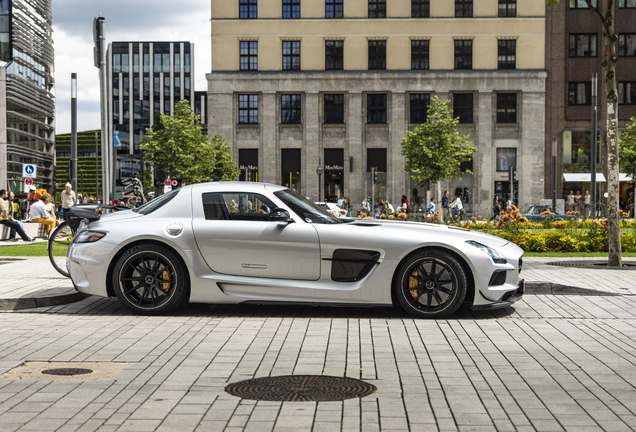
column 236, row 206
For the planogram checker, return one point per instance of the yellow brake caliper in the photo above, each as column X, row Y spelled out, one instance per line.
column 413, row 283
column 166, row 277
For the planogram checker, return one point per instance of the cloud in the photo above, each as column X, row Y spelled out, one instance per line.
column 139, row 20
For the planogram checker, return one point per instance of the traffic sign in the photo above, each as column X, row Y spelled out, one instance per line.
column 174, row 183
column 167, row 188
column 167, row 182
column 28, row 181
column 29, row 170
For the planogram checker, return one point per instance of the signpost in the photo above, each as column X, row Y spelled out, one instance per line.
column 167, row 185
column 29, row 170
column 28, row 182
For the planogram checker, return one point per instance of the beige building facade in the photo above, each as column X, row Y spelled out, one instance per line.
column 295, row 83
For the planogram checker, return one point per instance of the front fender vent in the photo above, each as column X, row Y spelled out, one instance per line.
column 498, row 278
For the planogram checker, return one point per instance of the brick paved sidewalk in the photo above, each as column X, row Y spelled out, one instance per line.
column 552, row 363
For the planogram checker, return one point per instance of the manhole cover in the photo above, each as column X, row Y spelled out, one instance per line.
column 301, row 388
column 589, row 264
column 67, row 371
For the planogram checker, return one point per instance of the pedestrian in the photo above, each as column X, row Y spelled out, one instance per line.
column 430, row 211
column 456, row 206
column 68, row 200
column 496, row 208
column 509, row 203
column 445, row 204
column 6, row 218
column 39, row 214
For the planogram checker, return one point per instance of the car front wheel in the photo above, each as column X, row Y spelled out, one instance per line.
column 150, row 279
column 430, row 284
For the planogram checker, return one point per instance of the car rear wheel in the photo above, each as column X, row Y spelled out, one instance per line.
column 150, row 280
column 430, row 284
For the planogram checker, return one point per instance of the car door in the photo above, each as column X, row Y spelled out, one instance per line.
column 235, row 237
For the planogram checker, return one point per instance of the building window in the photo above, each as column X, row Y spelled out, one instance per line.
column 249, row 55
column 463, row 8
column 580, row 4
column 627, row 3
column 248, row 109
column 376, row 108
column 579, row 93
column 116, row 85
column 333, row 9
column 377, row 55
column 507, row 54
column 419, row 55
column 463, row 54
column 136, row 86
column 420, row 8
column 419, row 107
column 583, row 45
column 377, row 8
column 463, row 107
column 507, row 8
column 146, row 86
column 627, row 45
column 290, row 109
column 334, row 108
column 627, row 93
column 333, row 55
column 248, row 9
column 291, row 8
column 506, row 107
column 291, row 55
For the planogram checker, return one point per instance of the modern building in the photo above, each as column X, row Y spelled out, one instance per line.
column 338, row 82
column 27, row 95
column 575, row 48
column 145, row 78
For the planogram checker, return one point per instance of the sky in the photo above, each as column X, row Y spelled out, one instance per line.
column 130, row 20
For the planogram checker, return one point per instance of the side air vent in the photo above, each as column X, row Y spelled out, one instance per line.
column 352, row 265
column 498, row 278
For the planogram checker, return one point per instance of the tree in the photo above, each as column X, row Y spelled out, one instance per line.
column 435, row 150
column 609, row 67
column 177, row 145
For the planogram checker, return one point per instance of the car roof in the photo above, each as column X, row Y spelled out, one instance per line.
column 236, row 186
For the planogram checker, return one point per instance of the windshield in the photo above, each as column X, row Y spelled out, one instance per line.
column 157, row 203
column 306, row 209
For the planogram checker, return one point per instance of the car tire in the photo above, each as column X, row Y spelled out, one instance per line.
column 149, row 279
column 430, row 284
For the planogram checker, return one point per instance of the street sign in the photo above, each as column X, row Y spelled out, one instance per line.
column 167, row 188
column 29, row 170
column 167, row 182
column 28, row 181
column 174, row 183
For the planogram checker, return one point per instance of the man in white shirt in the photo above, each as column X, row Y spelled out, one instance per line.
column 39, row 214
column 68, row 199
column 456, row 206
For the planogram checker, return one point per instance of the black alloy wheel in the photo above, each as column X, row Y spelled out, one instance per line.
column 430, row 284
column 150, row 279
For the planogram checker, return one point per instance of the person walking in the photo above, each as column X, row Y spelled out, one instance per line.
column 68, row 200
column 445, row 204
column 6, row 218
column 430, row 211
column 496, row 208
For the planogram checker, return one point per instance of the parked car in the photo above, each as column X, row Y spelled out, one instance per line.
column 534, row 214
column 235, row 242
column 333, row 209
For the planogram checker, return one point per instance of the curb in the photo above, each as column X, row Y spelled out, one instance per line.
column 32, row 303
column 558, row 289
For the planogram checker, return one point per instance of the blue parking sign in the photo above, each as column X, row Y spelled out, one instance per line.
column 29, row 170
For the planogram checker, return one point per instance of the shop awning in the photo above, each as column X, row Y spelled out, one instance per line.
column 587, row 177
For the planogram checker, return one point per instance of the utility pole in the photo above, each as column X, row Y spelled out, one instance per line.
column 99, row 51
column 319, row 171
column 554, row 173
column 96, row 168
column 73, row 172
column 374, row 174
column 594, row 139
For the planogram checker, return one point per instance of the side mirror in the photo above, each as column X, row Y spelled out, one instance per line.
column 278, row 214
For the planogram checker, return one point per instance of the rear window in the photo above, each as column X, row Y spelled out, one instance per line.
column 157, row 203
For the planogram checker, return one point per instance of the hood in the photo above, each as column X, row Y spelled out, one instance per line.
column 486, row 239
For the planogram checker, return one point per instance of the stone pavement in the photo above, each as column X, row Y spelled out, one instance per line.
column 549, row 363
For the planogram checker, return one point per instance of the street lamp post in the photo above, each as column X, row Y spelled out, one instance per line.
column 73, row 173
column 554, row 173
column 594, row 140
column 319, row 171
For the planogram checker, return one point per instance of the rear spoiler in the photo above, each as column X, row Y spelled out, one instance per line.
column 92, row 212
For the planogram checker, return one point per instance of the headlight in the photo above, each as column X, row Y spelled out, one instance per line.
column 89, row 236
column 496, row 256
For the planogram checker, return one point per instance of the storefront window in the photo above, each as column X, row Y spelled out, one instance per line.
column 290, row 163
column 334, row 174
column 376, row 158
column 248, row 163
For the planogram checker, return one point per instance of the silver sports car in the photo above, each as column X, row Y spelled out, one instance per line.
column 234, row 242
